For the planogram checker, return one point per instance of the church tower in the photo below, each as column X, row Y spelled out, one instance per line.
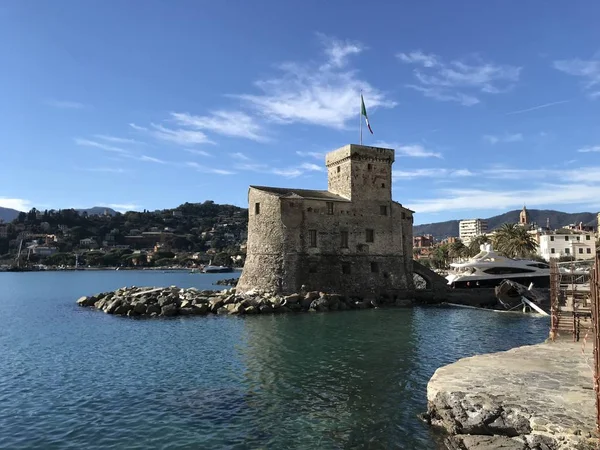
column 524, row 217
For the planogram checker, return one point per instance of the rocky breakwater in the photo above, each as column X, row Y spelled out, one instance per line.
column 535, row 397
column 173, row 301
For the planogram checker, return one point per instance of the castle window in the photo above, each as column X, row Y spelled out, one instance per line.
column 369, row 167
column 403, row 215
column 344, row 239
column 374, row 267
column 383, row 210
column 329, row 208
column 382, row 185
column 312, row 237
column 257, row 208
column 338, row 169
column 370, row 235
column 346, row 268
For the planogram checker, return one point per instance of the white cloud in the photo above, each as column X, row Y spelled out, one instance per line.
column 204, row 169
column 418, row 57
column 412, row 150
column 506, row 138
column 104, row 169
column 116, row 140
column 312, row 167
column 178, row 136
column 289, row 173
column 62, row 104
column 100, row 145
column 122, row 207
column 240, row 156
column 534, row 108
column 337, row 51
column 315, row 155
column 194, row 151
column 486, row 199
column 228, row 123
column 459, row 80
column 324, row 95
column 589, row 149
column 19, row 204
column 587, row 70
column 147, row 158
column 430, row 173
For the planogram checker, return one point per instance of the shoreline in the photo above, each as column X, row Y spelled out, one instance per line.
column 536, row 396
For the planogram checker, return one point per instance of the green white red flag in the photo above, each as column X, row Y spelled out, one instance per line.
column 363, row 111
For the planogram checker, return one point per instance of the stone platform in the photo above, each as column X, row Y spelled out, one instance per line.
column 532, row 397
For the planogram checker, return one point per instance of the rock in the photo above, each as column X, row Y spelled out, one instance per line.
column 200, row 309
column 403, row 302
column 153, row 310
column 311, row 296
column 186, row 304
column 265, row 309
column 291, row 299
column 112, row 306
column 215, row 304
column 305, row 303
column 122, row 309
column 320, row 304
column 478, row 442
column 187, row 311
column 169, row 310
column 342, row 306
column 283, row 309
column 229, row 300
column 100, row 304
column 275, row 302
column 334, row 298
column 251, row 310
column 164, row 301
column 86, row 301
column 132, row 313
column 140, row 308
column 222, row 310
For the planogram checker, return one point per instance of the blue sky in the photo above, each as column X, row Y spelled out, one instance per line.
column 149, row 104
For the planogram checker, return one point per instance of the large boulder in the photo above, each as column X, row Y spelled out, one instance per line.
column 188, row 311
column 140, row 308
column 200, row 309
column 112, row 306
column 86, row 301
column 100, row 304
column 320, row 304
column 165, row 300
column 291, row 299
column 153, row 309
column 169, row 310
column 215, row 303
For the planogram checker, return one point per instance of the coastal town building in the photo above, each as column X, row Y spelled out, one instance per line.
column 577, row 245
column 470, row 228
column 350, row 239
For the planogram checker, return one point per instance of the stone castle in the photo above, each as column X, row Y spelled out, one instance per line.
column 350, row 239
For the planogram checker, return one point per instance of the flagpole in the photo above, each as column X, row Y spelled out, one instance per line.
column 360, row 117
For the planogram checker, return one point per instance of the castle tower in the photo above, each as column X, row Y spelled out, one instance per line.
column 524, row 216
column 360, row 173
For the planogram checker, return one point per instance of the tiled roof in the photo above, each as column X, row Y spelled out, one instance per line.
column 309, row 194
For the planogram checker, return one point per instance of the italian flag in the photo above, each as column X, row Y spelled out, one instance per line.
column 363, row 111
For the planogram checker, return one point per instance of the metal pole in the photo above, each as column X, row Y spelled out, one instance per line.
column 360, row 116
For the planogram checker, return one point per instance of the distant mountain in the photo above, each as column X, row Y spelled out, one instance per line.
column 558, row 219
column 8, row 215
column 97, row 210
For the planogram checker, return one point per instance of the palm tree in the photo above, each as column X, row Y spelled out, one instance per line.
column 474, row 246
column 458, row 250
column 514, row 241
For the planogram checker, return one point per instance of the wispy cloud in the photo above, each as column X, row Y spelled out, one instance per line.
column 247, row 164
column 323, row 95
column 586, row 70
column 460, row 80
column 100, row 145
column 430, row 173
column 194, row 151
column 240, row 156
column 179, row 136
column 590, row 149
column 227, row 123
column 312, row 167
column 116, row 140
column 506, row 138
column 315, row 155
column 121, row 207
column 20, row 204
column 63, row 104
column 534, row 108
column 104, row 169
column 151, row 159
column 204, row 169
column 410, row 150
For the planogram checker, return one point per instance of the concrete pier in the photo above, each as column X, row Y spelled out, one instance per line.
column 532, row 397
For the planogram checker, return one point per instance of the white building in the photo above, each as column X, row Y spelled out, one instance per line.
column 468, row 229
column 579, row 245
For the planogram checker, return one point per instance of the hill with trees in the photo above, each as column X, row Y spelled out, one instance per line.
column 558, row 219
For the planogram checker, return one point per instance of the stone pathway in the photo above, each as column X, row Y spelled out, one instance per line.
column 532, row 397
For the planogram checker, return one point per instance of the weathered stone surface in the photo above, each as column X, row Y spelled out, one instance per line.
column 140, row 308
column 200, row 309
column 169, row 310
column 540, row 393
column 186, row 311
column 477, row 442
column 320, row 304
column 291, row 299
column 153, row 309
column 86, row 301
column 112, row 306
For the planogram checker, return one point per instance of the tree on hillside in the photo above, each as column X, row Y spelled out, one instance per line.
column 475, row 244
column 458, row 250
column 514, row 241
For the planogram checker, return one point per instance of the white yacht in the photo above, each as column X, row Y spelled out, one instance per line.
column 488, row 269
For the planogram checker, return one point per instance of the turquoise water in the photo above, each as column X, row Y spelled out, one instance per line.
column 75, row 378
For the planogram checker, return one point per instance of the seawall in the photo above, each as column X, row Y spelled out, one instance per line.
column 533, row 397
